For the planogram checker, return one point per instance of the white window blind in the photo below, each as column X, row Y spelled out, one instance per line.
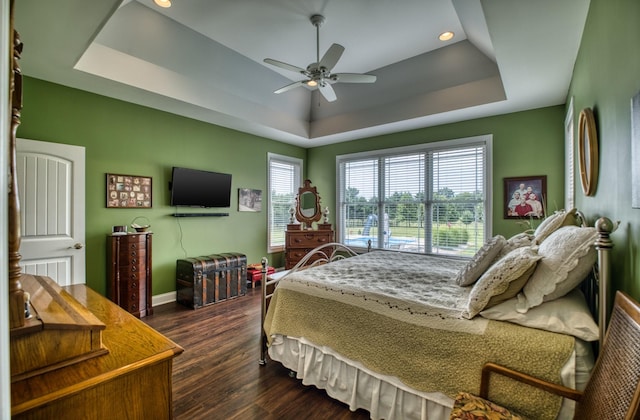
column 429, row 198
column 285, row 177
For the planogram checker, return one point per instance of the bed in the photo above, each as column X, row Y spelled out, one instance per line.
column 399, row 334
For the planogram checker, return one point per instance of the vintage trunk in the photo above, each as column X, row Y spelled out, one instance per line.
column 209, row 279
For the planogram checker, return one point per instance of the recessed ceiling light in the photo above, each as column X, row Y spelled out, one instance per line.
column 163, row 3
column 445, row 36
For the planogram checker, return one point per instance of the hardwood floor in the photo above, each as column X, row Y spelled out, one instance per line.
column 218, row 375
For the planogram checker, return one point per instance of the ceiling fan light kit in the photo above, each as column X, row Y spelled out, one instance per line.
column 163, row 3
column 319, row 73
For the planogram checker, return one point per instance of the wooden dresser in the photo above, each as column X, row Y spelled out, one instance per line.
column 129, row 283
column 299, row 242
column 132, row 380
column 300, row 236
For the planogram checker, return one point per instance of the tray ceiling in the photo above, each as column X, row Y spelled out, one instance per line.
column 204, row 59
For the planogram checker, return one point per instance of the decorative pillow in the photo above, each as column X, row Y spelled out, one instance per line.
column 502, row 281
column 554, row 222
column 516, row 241
column 568, row 255
column 470, row 407
column 480, row 261
column 566, row 315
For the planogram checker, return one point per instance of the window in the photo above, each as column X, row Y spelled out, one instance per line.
column 430, row 198
column 284, row 179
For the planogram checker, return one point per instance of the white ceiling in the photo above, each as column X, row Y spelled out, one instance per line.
column 204, row 59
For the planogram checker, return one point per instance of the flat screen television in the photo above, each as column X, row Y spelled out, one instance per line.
column 196, row 188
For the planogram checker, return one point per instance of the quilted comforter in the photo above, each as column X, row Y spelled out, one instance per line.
column 401, row 315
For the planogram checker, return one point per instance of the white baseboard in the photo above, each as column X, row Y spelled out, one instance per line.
column 163, row 298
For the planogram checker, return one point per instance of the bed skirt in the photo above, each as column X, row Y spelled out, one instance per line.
column 385, row 397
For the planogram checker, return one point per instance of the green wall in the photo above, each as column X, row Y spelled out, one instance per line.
column 124, row 138
column 524, row 143
column 606, row 75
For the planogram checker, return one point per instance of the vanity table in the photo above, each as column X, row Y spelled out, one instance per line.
column 308, row 233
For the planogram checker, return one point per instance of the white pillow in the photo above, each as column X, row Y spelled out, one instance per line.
column 568, row 255
column 480, row 262
column 516, row 241
column 554, row 222
column 566, row 315
column 502, row 281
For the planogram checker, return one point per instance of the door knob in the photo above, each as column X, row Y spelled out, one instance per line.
column 78, row 245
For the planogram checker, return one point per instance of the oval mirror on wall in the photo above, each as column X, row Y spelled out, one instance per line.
column 588, row 151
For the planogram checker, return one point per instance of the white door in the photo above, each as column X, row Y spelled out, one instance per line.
column 51, row 190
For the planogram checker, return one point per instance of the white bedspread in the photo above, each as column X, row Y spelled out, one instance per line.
column 409, row 278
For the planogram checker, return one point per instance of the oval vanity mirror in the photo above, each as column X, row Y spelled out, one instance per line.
column 308, row 205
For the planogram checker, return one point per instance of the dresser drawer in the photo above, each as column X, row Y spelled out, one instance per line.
column 132, row 272
column 132, row 251
column 308, row 239
column 295, row 255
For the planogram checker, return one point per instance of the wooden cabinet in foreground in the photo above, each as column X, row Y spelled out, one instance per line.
column 126, row 374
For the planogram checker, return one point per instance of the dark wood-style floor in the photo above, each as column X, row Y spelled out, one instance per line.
column 218, row 375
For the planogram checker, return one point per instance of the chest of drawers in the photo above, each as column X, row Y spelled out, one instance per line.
column 299, row 242
column 130, row 272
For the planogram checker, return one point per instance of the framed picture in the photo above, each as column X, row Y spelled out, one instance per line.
column 249, row 200
column 525, row 197
column 128, row 191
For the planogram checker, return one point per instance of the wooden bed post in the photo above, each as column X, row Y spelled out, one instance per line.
column 605, row 227
column 263, row 313
column 16, row 294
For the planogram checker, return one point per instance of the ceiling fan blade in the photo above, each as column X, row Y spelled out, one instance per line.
column 290, row 86
column 327, row 91
column 285, row 66
column 331, row 57
column 353, row 78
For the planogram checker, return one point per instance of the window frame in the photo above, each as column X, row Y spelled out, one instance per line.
column 484, row 140
column 283, row 159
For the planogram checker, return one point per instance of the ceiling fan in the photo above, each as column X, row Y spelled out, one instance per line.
column 319, row 74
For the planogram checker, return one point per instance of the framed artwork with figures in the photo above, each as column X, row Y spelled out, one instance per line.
column 249, row 200
column 525, row 197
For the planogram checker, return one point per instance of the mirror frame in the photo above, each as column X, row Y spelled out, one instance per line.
column 588, row 151
column 308, row 220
